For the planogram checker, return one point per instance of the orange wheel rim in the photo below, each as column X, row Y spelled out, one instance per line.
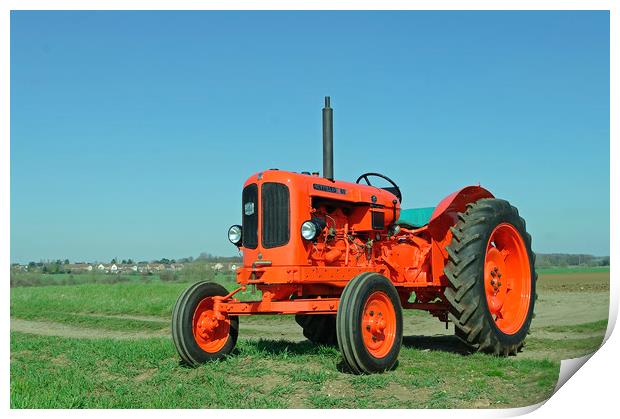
column 209, row 332
column 378, row 324
column 507, row 278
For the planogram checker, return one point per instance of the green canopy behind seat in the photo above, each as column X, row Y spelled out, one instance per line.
column 415, row 217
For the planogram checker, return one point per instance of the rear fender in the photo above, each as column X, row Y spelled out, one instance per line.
column 445, row 214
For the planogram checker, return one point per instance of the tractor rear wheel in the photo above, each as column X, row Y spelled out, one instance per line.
column 369, row 324
column 197, row 334
column 319, row 329
column 492, row 281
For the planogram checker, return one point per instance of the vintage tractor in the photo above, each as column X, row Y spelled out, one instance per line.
column 345, row 259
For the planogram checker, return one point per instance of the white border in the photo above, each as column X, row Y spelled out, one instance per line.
column 593, row 392
column 308, row 5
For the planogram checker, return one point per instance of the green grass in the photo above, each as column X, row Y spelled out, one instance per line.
column 95, row 321
column 38, row 279
column 569, row 348
column 51, row 372
column 54, row 372
column 154, row 298
column 572, row 269
column 100, row 373
column 597, row 326
column 89, row 305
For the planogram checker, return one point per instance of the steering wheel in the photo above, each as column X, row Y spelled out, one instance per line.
column 392, row 189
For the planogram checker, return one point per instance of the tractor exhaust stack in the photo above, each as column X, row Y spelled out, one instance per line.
column 328, row 141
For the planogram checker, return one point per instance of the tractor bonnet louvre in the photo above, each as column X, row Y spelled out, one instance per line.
column 250, row 216
column 275, row 214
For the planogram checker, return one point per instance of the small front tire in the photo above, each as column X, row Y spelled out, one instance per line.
column 198, row 336
column 369, row 324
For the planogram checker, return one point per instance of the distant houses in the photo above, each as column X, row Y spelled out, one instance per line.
column 129, row 268
column 220, row 267
column 117, row 268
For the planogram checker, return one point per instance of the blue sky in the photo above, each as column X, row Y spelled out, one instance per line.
column 133, row 132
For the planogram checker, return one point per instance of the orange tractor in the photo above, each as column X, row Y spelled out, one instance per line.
column 346, row 259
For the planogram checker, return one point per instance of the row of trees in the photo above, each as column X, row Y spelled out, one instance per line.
column 204, row 257
column 123, row 261
column 42, row 263
column 548, row 260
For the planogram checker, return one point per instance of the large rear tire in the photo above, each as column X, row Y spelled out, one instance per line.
column 198, row 336
column 369, row 324
column 491, row 275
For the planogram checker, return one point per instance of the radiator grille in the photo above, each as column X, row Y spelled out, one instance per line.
column 249, row 210
column 378, row 220
column 275, row 207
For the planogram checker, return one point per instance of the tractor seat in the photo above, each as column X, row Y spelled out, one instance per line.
column 415, row 217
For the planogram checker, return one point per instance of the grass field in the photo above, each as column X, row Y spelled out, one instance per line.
column 108, row 345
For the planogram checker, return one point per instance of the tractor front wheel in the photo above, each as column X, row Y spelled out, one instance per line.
column 198, row 335
column 492, row 281
column 369, row 324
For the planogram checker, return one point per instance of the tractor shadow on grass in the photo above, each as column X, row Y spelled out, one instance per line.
column 344, row 368
column 282, row 347
column 273, row 347
column 443, row 343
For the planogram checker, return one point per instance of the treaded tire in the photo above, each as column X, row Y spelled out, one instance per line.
column 349, row 324
column 469, row 309
column 182, row 317
column 319, row 329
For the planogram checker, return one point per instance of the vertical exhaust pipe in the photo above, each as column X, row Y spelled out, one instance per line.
column 328, row 141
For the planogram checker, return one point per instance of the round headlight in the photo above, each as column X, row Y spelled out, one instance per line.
column 234, row 234
column 308, row 230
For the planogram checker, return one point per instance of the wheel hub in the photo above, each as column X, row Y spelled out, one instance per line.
column 507, row 278
column 378, row 325
column 207, row 323
column 210, row 333
column 375, row 324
